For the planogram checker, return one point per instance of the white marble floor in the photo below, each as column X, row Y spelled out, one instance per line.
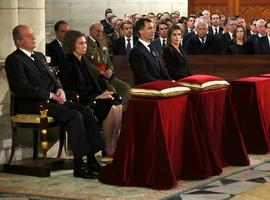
column 228, row 187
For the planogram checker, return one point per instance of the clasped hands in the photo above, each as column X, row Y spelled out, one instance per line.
column 59, row 96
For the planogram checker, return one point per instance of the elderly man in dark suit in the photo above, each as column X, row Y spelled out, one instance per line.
column 29, row 79
column 263, row 45
column 123, row 45
column 143, row 58
column 160, row 43
column 54, row 49
column 202, row 43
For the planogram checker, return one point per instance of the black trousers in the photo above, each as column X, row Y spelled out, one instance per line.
column 81, row 126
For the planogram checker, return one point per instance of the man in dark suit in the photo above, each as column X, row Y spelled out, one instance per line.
column 202, row 43
column 261, row 29
column 215, row 29
column 228, row 36
column 263, row 45
column 105, row 23
column 30, row 81
column 160, row 43
column 123, row 45
column 143, row 58
column 54, row 49
column 189, row 32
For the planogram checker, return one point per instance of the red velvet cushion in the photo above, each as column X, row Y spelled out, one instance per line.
column 162, row 88
column 200, row 79
column 265, row 75
column 203, row 82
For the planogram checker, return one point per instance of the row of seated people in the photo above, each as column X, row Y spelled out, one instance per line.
column 29, row 77
column 223, row 30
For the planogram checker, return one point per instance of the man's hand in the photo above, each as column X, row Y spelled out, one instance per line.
column 61, row 96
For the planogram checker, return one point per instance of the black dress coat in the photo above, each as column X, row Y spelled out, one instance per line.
column 146, row 67
column 175, row 62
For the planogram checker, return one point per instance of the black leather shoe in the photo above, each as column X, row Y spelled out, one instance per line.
column 80, row 170
column 93, row 165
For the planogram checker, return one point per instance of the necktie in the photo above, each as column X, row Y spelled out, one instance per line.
column 155, row 56
column 151, row 50
column 128, row 46
column 38, row 63
column 216, row 31
column 97, row 43
column 163, row 43
column 203, row 41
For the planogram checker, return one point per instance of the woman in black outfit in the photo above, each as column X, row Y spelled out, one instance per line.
column 174, row 56
column 75, row 76
column 239, row 45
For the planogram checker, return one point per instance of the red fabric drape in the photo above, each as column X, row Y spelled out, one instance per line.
column 251, row 101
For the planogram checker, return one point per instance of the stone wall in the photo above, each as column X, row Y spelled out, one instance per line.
column 81, row 13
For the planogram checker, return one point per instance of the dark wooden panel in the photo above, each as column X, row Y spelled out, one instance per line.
column 226, row 66
column 229, row 67
column 247, row 9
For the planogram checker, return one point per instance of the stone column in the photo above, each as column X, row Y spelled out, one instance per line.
column 32, row 13
column 8, row 20
column 12, row 13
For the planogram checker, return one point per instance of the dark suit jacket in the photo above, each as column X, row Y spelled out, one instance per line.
column 210, row 31
column 175, row 62
column 211, row 47
column 28, row 81
column 157, row 45
column 186, row 38
column 54, row 50
column 254, row 38
column 145, row 66
column 225, row 39
column 119, row 47
column 263, row 46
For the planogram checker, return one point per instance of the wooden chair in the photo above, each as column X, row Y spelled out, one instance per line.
column 39, row 123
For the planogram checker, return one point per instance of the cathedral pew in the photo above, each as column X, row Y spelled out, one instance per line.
column 229, row 67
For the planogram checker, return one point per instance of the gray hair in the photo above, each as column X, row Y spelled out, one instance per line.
column 200, row 22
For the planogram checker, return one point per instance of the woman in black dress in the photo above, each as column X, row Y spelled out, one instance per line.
column 76, row 76
column 174, row 56
column 239, row 45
